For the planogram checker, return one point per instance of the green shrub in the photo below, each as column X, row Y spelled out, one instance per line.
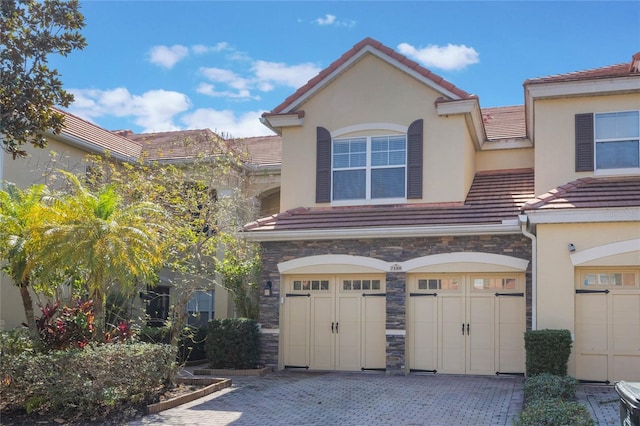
column 547, row 351
column 549, row 386
column 554, row 412
column 155, row 334
column 15, row 342
column 87, row 383
column 233, row 343
column 190, row 345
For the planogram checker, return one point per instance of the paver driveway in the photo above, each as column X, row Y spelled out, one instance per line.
column 300, row 398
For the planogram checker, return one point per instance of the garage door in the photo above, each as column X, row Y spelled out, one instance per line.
column 466, row 324
column 607, row 343
column 335, row 322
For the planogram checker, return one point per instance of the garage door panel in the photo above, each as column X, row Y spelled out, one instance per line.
column 374, row 338
column 297, row 335
column 422, row 333
column 452, row 349
column 626, row 324
column 348, row 333
column 321, row 337
column 626, row 368
column 592, row 367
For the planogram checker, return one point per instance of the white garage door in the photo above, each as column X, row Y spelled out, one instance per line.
column 466, row 324
column 607, row 343
column 335, row 322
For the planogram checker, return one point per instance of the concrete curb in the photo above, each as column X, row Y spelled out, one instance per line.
column 230, row 372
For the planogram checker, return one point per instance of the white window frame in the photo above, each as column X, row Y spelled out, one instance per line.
column 191, row 320
column 596, row 141
column 368, row 168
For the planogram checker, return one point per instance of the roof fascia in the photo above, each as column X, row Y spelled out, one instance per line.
column 575, row 215
column 507, row 227
column 276, row 122
column 605, row 86
column 89, row 146
column 355, row 58
column 470, row 108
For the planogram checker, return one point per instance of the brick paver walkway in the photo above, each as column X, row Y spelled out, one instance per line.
column 300, row 398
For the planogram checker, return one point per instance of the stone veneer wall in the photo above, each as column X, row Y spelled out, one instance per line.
column 389, row 250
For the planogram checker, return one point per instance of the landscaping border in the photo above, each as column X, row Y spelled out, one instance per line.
column 232, row 372
column 214, row 385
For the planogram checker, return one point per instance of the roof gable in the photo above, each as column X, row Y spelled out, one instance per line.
column 365, row 47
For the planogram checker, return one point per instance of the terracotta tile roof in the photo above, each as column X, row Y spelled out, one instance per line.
column 98, row 138
column 591, row 192
column 181, row 144
column 260, row 150
column 493, row 197
column 620, row 70
column 504, row 122
column 351, row 53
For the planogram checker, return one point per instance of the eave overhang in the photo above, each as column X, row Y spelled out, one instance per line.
column 506, row 227
column 470, row 109
column 89, row 146
column 592, row 215
column 276, row 122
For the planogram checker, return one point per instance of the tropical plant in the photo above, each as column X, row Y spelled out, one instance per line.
column 109, row 243
column 30, row 31
column 21, row 216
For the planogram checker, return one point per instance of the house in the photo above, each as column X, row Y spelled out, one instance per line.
column 419, row 232
column 80, row 137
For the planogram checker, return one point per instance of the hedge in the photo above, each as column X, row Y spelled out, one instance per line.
column 233, row 343
column 86, row 383
column 547, row 351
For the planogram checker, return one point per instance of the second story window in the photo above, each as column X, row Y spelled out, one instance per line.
column 369, row 168
column 617, row 140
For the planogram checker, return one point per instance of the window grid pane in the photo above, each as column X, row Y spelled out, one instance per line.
column 617, row 140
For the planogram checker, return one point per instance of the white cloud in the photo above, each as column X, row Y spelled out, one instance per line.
column 332, row 20
column 220, row 75
column 326, row 20
column 237, row 125
column 210, row 90
column 166, row 56
column 281, row 73
column 449, row 57
column 154, row 110
column 200, row 49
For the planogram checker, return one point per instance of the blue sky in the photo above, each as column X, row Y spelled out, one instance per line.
column 155, row 66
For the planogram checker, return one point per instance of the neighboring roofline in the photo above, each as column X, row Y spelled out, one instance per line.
column 506, row 227
column 584, row 215
column 91, row 146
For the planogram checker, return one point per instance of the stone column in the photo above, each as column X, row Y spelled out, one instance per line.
column 396, row 322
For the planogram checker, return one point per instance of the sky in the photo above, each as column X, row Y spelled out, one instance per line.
column 153, row 66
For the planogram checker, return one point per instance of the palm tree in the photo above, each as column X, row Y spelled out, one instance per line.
column 21, row 214
column 108, row 242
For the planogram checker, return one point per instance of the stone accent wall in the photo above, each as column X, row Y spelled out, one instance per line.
column 389, row 250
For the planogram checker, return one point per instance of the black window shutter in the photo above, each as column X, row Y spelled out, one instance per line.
column 323, row 165
column 414, row 160
column 584, row 142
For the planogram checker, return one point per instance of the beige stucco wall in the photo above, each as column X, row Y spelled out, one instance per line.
column 556, row 273
column 372, row 91
column 501, row 159
column 555, row 134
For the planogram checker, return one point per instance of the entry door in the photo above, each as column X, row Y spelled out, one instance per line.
column 335, row 323
column 466, row 324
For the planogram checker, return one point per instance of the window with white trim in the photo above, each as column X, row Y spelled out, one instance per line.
column 200, row 308
column 617, row 140
column 369, row 168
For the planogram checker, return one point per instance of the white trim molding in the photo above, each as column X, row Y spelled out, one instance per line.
column 269, row 330
column 611, row 249
column 369, row 126
column 466, row 257
column 324, row 260
column 612, row 214
column 508, row 227
column 400, row 333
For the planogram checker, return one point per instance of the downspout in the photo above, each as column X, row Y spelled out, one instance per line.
column 534, row 270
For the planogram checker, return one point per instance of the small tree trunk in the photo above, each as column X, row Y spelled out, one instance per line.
column 27, row 303
column 98, row 314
